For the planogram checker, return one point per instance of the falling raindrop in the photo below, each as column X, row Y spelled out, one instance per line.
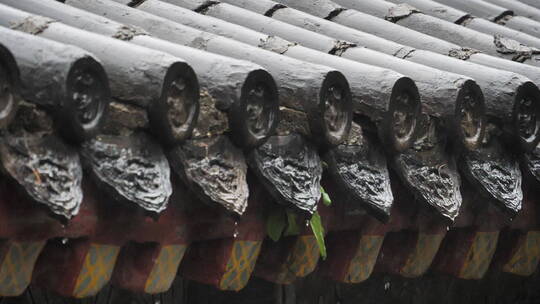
column 307, row 223
column 64, row 241
column 235, row 223
column 386, row 285
column 235, row 234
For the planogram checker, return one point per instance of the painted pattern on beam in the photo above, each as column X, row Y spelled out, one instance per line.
column 420, row 259
column 240, row 265
column 301, row 261
column 304, row 256
column 17, row 266
column 96, row 271
column 165, row 268
column 524, row 261
column 364, row 260
column 479, row 255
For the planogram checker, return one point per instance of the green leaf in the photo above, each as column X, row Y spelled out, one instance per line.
column 292, row 225
column 275, row 223
column 318, row 232
column 325, row 197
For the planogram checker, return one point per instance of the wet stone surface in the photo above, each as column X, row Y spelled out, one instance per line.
column 430, row 173
column 215, row 170
column 46, row 168
column 532, row 162
column 290, row 169
column 131, row 168
column 494, row 171
column 359, row 169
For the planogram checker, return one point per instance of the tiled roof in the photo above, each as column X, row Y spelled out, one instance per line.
column 148, row 142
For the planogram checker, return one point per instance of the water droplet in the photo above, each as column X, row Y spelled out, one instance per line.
column 235, row 223
column 307, row 223
column 235, row 234
column 64, row 241
column 386, row 285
